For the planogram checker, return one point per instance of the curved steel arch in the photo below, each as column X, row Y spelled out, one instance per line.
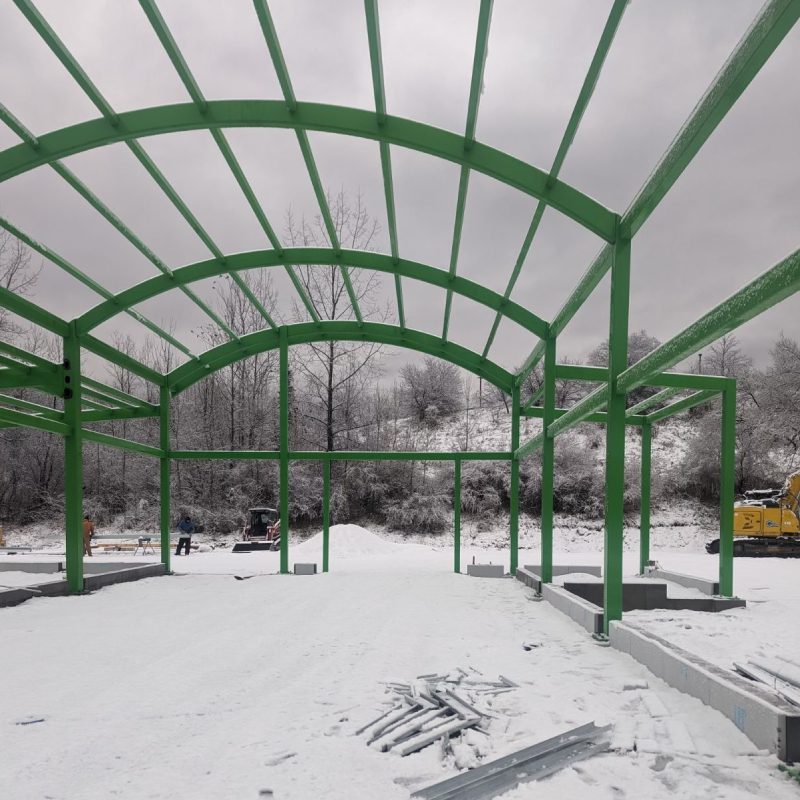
column 316, row 117
column 225, row 354
column 362, row 259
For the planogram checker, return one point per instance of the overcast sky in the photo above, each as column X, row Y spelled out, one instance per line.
column 733, row 214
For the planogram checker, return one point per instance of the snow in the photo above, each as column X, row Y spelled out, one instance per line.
column 205, row 686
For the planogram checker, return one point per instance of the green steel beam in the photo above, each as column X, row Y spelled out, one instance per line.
column 83, row 278
column 32, row 378
column 36, row 408
column 63, row 54
column 19, row 355
column 105, row 414
column 774, row 21
column 182, row 68
column 164, row 482
column 764, row 292
column 341, row 455
column 584, row 96
column 726, row 488
column 376, row 62
column 276, row 54
column 679, row 380
column 599, row 417
column 122, row 444
column 696, row 399
column 326, row 514
column 73, row 462
column 548, row 461
column 310, row 255
column 615, row 432
column 314, row 116
column 22, row 419
column 644, row 510
column 457, row 516
column 475, row 92
column 346, row 330
column 111, row 354
column 513, row 511
column 284, row 448
column 580, row 372
column 587, row 405
column 653, row 400
column 117, row 395
column 32, row 312
column 534, row 398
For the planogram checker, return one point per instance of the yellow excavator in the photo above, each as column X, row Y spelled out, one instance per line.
column 765, row 522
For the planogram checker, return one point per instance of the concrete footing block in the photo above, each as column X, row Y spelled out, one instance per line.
column 705, row 585
column 485, row 570
column 767, row 720
column 305, row 569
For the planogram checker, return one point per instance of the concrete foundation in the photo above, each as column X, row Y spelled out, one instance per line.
column 705, row 585
column 305, row 569
column 768, row 721
column 105, row 575
column 485, row 570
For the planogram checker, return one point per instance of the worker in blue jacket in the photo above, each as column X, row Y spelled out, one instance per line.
column 187, row 528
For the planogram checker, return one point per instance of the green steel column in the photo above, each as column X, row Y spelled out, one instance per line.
column 644, row 514
column 164, row 488
column 457, row 516
column 514, row 499
column 726, row 486
column 284, row 448
column 326, row 511
column 73, row 460
column 615, row 431
column 548, row 460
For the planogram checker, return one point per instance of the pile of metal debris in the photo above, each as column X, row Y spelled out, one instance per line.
column 781, row 675
column 435, row 708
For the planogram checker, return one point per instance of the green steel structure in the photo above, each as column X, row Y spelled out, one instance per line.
column 86, row 401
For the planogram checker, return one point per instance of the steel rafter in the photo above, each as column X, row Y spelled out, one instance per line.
column 418, row 136
column 63, row 54
column 376, row 62
column 304, row 333
column 775, row 19
column 581, row 104
column 276, row 54
column 310, row 255
column 475, row 91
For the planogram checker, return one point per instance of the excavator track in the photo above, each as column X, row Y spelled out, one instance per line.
column 760, row 548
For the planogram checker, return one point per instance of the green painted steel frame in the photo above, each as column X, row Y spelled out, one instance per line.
column 769, row 28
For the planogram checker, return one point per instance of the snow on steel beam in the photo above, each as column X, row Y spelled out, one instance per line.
column 181, row 67
column 765, row 291
column 310, row 255
column 653, row 400
column 276, row 54
column 109, row 394
column 24, row 420
column 584, row 96
column 475, row 91
column 102, row 415
column 587, row 405
column 599, row 417
column 774, row 21
column 376, row 62
column 696, row 399
column 122, row 444
column 398, row 131
column 18, row 355
column 35, row 408
column 109, row 353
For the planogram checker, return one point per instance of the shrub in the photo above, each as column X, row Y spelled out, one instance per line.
column 420, row 513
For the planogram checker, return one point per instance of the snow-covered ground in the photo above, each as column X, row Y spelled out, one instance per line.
column 206, row 686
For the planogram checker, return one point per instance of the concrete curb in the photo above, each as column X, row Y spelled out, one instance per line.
column 768, row 721
column 705, row 585
column 13, row 597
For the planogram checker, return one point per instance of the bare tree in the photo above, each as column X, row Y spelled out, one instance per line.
column 16, row 274
column 336, row 372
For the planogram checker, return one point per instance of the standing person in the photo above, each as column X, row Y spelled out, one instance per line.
column 88, row 532
column 186, row 527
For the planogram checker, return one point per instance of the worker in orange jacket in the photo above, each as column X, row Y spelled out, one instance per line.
column 88, row 532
